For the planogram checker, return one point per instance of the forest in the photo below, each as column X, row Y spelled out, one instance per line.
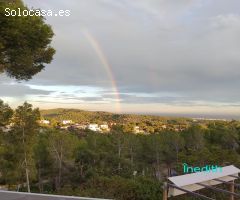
column 45, row 159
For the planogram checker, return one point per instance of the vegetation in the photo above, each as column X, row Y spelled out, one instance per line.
column 24, row 43
column 130, row 166
column 147, row 123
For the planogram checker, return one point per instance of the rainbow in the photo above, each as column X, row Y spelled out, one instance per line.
column 107, row 67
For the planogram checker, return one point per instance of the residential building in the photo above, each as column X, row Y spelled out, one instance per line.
column 94, row 127
column 79, row 126
column 43, row 121
column 136, row 129
column 104, row 126
column 65, row 122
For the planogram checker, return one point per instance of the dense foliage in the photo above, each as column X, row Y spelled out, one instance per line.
column 24, row 42
column 117, row 165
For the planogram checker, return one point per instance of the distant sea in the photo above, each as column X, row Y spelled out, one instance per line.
column 187, row 115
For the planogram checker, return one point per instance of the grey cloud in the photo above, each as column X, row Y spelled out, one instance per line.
column 19, row 90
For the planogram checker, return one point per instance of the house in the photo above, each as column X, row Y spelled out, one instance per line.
column 164, row 126
column 43, row 121
column 7, row 128
column 64, row 127
column 79, row 126
column 112, row 124
column 94, row 127
column 136, row 129
column 104, row 126
column 65, row 122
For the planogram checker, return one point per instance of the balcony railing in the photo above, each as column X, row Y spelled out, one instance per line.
column 7, row 195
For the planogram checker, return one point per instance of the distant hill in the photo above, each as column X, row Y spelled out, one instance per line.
column 77, row 115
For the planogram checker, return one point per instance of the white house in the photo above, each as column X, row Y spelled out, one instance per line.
column 79, row 126
column 136, row 129
column 43, row 121
column 65, row 122
column 104, row 126
column 93, row 127
column 6, row 128
column 164, row 126
column 64, row 127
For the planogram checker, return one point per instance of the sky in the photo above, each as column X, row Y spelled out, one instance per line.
column 173, row 57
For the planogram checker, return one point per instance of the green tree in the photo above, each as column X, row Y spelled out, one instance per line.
column 5, row 113
column 26, row 127
column 5, row 116
column 120, row 141
column 24, row 43
column 194, row 138
column 171, row 143
column 43, row 160
column 63, row 148
column 86, row 158
column 225, row 135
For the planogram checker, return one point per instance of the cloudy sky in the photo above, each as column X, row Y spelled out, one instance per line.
column 144, row 56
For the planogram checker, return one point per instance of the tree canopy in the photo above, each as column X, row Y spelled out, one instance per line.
column 131, row 166
column 24, row 43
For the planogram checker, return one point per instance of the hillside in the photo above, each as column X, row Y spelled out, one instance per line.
column 92, row 116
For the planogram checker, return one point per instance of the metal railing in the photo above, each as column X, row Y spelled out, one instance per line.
column 9, row 195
